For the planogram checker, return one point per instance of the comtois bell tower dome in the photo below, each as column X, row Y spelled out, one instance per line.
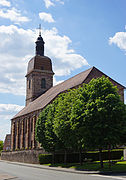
column 39, row 73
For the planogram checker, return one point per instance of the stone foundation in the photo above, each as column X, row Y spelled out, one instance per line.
column 25, row 156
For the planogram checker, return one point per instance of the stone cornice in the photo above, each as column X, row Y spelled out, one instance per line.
column 40, row 71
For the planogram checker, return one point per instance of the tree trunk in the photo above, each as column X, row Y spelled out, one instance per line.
column 65, row 157
column 100, row 158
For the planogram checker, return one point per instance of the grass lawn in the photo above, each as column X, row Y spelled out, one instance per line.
column 94, row 166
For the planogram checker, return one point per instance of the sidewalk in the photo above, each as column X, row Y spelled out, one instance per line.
column 6, row 177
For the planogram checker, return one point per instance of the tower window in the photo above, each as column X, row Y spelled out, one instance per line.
column 43, row 83
column 29, row 85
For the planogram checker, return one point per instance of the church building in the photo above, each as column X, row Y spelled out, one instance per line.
column 40, row 92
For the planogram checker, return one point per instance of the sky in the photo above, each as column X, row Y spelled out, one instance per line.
column 78, row 34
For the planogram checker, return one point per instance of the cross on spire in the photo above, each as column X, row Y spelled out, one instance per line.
column 40, row 29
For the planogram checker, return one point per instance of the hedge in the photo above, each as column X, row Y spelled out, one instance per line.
column 45, row 158
column 74, row 157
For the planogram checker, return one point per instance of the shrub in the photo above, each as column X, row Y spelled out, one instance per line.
column 74, row 157
column 45, row 158
column 115, row 154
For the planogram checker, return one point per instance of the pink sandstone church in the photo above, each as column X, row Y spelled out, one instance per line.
column 40, row 92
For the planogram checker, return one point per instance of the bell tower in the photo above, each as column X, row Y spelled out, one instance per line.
column 39, row 73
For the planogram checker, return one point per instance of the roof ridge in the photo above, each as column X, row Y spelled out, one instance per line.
column 73, row 77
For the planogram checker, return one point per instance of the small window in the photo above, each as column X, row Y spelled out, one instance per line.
column 43, row 83
column 29, row 84
column 42, row 68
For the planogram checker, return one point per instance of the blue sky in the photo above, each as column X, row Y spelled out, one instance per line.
column 77, row 34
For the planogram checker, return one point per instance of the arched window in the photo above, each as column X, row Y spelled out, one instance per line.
column 43, row 83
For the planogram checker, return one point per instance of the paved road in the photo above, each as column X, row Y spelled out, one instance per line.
column 23, row 172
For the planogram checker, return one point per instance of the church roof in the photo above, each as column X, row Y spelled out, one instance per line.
column 37, row 62
column 52, row 93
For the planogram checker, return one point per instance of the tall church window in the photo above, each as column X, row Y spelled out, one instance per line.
column 43, row 83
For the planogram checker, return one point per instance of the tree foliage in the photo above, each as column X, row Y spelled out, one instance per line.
column 1, row 145
column 62, row 119
column 44, row 130
column 104, row 114
column 91, row 117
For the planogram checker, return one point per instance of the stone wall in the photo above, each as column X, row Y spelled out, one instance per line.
column 25, row 156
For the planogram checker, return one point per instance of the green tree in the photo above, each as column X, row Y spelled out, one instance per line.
column 53, row 142
column 104, row 119
column 62, row 123
column 40, row 127
column 77, row 120
column 90, row 117
column 1, row 145
column 44, row 130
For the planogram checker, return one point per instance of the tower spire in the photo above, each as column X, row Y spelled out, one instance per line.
column 40, row 44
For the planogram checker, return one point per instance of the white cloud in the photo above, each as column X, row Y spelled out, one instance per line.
column 119, row 39
column 55, row 82
column 10, row 108
column 5, row 3
column 60, row 1
column 14, row 15
column 7, row 111
column 49, row 3
column 46, row 17
column 65, row 59
column 17, row 47
column 4, row 129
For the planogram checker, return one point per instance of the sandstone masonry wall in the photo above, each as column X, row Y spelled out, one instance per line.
column 26, row 156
